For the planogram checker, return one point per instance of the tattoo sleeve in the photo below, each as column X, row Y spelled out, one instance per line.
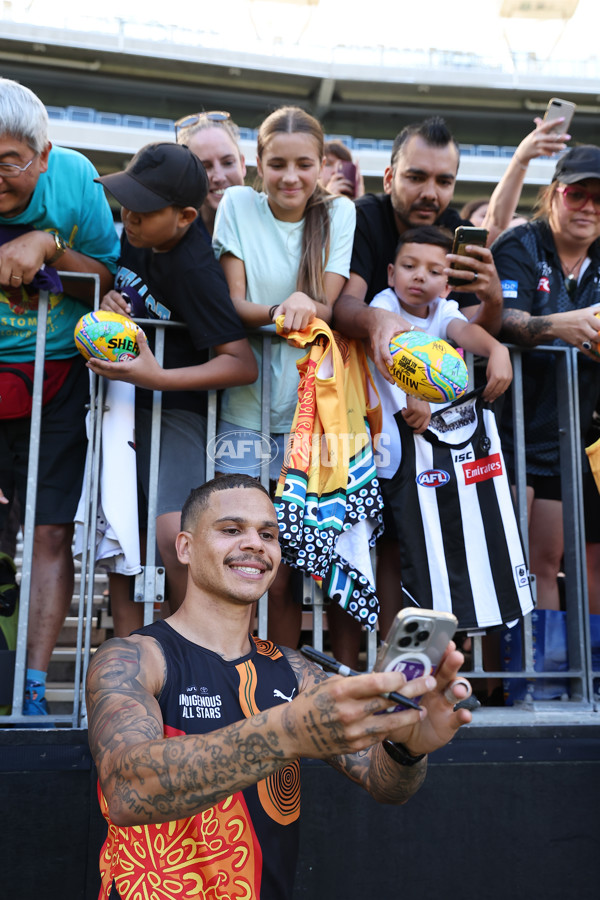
column 146, row 777
column 372, row 769
column 519, row 327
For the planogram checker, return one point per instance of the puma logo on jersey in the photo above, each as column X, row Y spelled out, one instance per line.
column 281, row 696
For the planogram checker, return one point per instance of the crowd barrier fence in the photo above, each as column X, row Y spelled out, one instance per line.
column 576, row 705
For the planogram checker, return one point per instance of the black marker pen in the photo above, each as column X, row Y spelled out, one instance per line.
column 328, row 662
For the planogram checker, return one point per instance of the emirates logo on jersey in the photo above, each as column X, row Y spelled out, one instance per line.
column 482, row 469
column 544, row 285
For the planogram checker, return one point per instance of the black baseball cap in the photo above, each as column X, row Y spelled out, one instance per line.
column 577, row 164
column 159, row 175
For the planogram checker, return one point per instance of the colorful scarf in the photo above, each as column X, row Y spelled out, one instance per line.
column 328, row 501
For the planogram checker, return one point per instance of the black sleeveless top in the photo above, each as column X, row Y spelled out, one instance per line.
column 246, row 845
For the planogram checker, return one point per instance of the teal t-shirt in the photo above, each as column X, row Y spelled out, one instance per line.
column 270, row 250
column 66, row 200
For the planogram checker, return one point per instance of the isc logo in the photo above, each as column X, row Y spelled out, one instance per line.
column 432, row 478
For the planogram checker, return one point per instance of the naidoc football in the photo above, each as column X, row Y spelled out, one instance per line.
column 107, row 335
column 427, row 367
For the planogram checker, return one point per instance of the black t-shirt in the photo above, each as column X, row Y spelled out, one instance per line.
column 185, row 284
column 375, row 240
column 532, row 281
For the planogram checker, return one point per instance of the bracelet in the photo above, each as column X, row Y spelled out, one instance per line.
column 61, row 247
column 400, row 754
column 519, row 163
column 272, row 310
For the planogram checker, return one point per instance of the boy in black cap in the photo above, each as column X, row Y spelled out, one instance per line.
column 167, row 271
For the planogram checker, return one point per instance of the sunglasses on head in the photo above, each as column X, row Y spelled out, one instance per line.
column 214, row 115
column 575, row 197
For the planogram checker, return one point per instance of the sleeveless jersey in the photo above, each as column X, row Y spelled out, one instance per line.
column 243, row 848
column 461, row 550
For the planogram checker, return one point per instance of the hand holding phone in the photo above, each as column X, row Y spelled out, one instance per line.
column 416, row 642
column 464, row 236
column 560, row 109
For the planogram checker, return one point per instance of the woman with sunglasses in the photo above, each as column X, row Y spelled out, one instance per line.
column 214, row 138
column 550, row 274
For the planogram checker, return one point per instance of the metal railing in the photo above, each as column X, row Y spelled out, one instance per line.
column 150, row 583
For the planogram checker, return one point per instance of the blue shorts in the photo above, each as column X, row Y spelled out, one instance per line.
column 238, row 449
column 182, row 458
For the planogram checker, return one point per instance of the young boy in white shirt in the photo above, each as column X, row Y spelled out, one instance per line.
column 418, row 290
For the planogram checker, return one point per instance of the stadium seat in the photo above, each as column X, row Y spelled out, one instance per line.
column 161, row 124
column 108, row 118
column 346, row 139
column 488, row 150
column 467, row 149
column 56, row 112
column 81, row 113
column 247, row 134
column 365, row 144
column 387, row 146
column 135, row 121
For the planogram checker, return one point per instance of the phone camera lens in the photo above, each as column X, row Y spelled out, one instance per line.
column 422, row 636
column 405, row 642
column 411, row 627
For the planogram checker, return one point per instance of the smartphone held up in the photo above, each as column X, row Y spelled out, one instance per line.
column 464, row 236
column 560, row 109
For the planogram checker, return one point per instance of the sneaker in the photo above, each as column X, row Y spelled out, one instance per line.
column 33, row 704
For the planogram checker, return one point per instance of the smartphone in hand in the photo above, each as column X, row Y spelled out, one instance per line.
column 464, row 235
column 416, row 642
column 558, row 109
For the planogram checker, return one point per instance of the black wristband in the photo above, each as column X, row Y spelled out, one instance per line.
column 272, row 310
column 400, row 754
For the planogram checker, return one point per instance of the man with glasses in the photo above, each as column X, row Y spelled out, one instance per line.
column 52, row 217
column 550, row 273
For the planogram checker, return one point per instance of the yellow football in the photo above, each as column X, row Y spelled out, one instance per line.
column 427, row 367
column 107, row 335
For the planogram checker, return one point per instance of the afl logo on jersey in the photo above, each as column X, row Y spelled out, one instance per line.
column 432, row 478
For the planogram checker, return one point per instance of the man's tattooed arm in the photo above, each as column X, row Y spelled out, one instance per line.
column 146, row 777
column 373, row 769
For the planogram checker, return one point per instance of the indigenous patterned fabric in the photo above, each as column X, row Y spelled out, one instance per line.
column 328, row 501
column 243, row 848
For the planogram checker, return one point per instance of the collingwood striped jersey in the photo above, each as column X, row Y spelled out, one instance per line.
column 461, row 549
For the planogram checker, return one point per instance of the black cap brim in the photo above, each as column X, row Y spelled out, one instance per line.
column 131, row 194
column 574, row 177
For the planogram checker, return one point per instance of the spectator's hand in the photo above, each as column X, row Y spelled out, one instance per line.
column 578, row 327
column 383, row 325
column 542, row 141
column 24, row 256
column 117, row 303
column 479, row 271
column 498, row 373
column 417, row 414
column 143, row 372
column 299, row 311
column 339, row 184
column 3, row 499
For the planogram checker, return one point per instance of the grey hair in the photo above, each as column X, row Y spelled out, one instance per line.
column 23, row 115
